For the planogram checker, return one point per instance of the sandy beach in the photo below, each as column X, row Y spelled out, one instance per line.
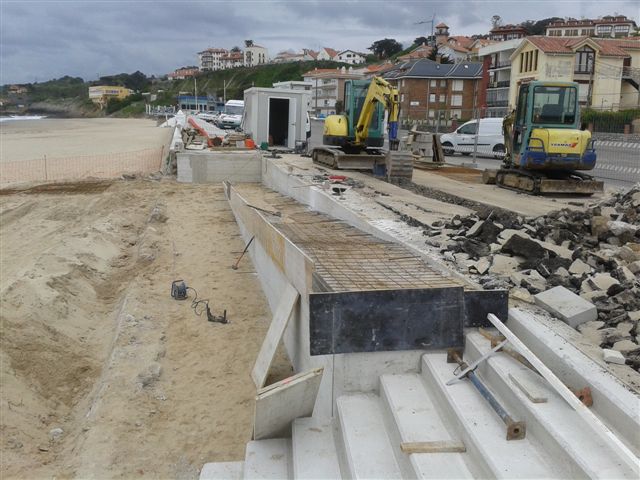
column 63, row 137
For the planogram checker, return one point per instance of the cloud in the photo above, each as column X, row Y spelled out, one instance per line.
column 46, row 39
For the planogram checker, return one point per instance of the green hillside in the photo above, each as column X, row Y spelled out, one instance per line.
column 239, row 79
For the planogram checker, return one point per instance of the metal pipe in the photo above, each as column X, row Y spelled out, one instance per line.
column 515, row 430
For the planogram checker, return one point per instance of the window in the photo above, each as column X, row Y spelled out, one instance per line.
column 585, row 57
column 456, row 100
column 554, row 105
column 442, row 98
column 433, row 83
column 443, row 83
column 535, row 60
column 432, row 113
column 402, row 97
column 603, row 30
column 621, row 28
column 456, row 114
column 468, row 129
column 521, row 62
column 402, row 82
column 457, row 85
column 432, row 98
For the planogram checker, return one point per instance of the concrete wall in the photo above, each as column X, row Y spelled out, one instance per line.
column 208, row 166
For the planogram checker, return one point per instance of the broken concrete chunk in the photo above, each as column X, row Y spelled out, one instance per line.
column 507, row 233
column 602, row 281
column 624, row 329
column 522, row 294
column 524, row 247
column 578, row 267
column 562, row 272
column 567, row 306
column 482, row 265
column 613, row 356
column 599, row 225
column 594, row 295
column 625, row 346
column 475, row 229
column 619, row 228
column 633, row 266
column 627, row 254
column 503, row 265
column 475, row 248
column 634, row 316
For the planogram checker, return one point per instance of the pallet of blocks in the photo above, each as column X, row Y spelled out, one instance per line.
column 425, row 148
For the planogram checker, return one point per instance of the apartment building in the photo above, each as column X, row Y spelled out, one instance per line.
column 211, row 58
column 255, row 55
column 606, row 27
column 183, row 72
column 496, row 78
column 101, row 94
column 503, row 33
column 328, row 87
column 232, row 60
column 351, row 57
column 430, row 90
column 607, row 70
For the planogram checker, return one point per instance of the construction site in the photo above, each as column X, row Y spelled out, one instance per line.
column 335, row 299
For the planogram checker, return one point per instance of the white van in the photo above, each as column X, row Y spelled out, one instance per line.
column 232, row 116
column 490, row 138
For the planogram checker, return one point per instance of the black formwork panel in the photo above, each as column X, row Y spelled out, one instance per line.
column 386, row 320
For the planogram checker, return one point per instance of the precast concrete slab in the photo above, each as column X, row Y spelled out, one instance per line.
column 268, row 459
column 566, row 305
column 553, row 422
column 314, row 450
column 615, row 403
column 222, row 471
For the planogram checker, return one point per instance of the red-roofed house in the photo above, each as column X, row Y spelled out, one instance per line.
column 607, row 70
column 421, row 51
column 327, row 54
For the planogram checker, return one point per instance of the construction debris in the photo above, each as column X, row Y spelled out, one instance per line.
column 593, row 254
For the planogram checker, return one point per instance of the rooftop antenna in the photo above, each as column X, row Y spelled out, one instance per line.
column 432, row 22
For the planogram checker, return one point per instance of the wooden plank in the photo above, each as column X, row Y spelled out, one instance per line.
column 281, row 403
column 269, row 346
column 630, row 459
column 447, row 446
column 532, row 391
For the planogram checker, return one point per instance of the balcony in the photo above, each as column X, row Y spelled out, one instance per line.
column 501, row 64
column 500, row 84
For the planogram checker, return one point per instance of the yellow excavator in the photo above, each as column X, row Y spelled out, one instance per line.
column 547, row 150
column 354, row 140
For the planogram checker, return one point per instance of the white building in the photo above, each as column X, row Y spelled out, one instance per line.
column 498, row 65
column 327, row 54
column 351, row 57
column 255, row 55
column 293, row 85
column 211, row 58
column 605, row 27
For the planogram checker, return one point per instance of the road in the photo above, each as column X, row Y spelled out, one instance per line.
column 618, row 163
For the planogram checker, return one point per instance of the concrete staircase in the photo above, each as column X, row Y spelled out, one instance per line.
column 364, row 439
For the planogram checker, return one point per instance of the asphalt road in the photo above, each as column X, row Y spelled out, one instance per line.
column 618, row 164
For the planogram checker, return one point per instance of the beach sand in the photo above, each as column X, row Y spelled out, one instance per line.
column 59, row 138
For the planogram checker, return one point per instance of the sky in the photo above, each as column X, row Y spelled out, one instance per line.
column 41, row 40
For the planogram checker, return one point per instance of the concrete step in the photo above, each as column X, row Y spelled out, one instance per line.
column 222, row 471
column 314, row 450
column 560, row 429
column 482, row 431
column 268, row 459
column 367, row 449
column 414, row 417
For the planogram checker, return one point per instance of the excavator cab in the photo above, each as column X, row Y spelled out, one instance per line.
column 546, row 148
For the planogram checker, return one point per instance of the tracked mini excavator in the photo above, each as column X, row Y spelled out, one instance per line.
column 546, row 149
column 354, row 140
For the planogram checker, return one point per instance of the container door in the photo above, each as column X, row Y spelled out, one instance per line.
column 293, row 121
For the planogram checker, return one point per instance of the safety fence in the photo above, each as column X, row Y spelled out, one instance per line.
column 109, row 165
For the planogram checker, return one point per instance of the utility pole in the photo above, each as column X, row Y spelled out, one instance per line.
column 195, row 92
column 432, row 22
column 224, row 91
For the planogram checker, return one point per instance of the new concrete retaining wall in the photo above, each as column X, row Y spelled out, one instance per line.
column 216, row 166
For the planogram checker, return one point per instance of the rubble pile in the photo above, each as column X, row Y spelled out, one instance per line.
column 595, row 253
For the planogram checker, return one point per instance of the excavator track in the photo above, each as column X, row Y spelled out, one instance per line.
column 398, row 164
column 538, row 183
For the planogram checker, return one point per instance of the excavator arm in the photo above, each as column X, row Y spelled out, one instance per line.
column 379, row 91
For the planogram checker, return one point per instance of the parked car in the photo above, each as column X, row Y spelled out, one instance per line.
column 462, row 140
column 232, row 116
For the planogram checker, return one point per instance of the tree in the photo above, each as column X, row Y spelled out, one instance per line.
column 435, row 51
column 421, row 40
column 236, row 49
column 496, row 21
column 539, row 27
column 385, row 48
column 248, row 43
